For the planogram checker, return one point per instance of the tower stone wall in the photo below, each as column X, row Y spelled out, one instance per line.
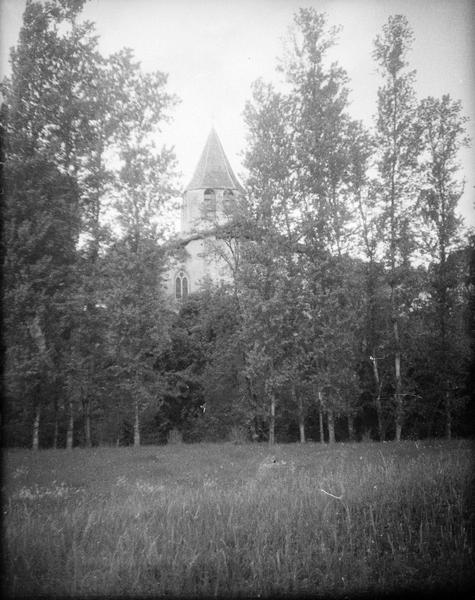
column 207, row 201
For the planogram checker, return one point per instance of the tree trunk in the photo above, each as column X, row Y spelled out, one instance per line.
column 100, row 441
column 320, row 417
column 302, row 430
column 38, row 336
column 272, row 419
column 379, row 406
column 448, row 416
column 443, row 316
column 55, row 433
column 137, row 425
column 70, row 430
column 254, row 434
column 331, row 426
column 36, row 429
column 398, row 383
column 351, row 426
column 87, row 424
column 298, row 400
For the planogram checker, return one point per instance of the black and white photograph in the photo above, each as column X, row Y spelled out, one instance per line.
column 238, row 298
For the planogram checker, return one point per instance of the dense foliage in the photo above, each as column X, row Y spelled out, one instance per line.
column 347, row 312
column 80, row 293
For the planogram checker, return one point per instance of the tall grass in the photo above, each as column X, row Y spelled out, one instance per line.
column 226, row 520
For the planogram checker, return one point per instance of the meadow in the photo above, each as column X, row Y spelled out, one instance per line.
column 238, row 520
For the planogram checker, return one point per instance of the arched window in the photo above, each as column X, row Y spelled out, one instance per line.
column 209, row 204
column 181, row 286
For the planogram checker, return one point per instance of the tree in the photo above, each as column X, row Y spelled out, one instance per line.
column 322, row 130
column 324, row 137
column 67, row 110
column 274, row 305
column 263, row 304
column 364, row 190
column 43, row 197
column 397, row 154
column 137, row 325
column 299, row 161
column 442, row 132
column 144, row 186
column 41, row 229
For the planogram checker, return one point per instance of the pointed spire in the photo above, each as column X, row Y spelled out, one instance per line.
column 213, row 170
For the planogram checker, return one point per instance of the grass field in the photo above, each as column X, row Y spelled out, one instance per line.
column 248, row 520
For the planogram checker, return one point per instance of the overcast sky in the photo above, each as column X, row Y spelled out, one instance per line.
column 214, row 49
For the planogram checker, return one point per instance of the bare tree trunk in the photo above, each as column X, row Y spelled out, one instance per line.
column 87, row 402
column 351, row 426
column 302, row 430
column 100, row 441
column 298, row 400
column 137, row 425
column 443, row 316
column 393, row 246
column 254, row 434
column 379, row 413
column 36, row 429
column 448, row 416
column 331, row 426
column 379, row 406
column 320, row 423
column 70, row 430
column 320, row 417
column 55, row 433
column 38, row 336
column 87, row 423
column 272, row 419
column 398, row 383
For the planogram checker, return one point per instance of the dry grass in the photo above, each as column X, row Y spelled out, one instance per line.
column 223, row 520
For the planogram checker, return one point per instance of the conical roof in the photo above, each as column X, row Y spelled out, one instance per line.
column 213, row 170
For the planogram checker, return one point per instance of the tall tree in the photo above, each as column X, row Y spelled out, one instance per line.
column 68, row 110
column 274, row 301
column 299, row 164
column 442, row 131
column 322, row 127
column 138, row 323
column 397, row 154
column 364, row 190
column 53, row 108
column 135, row 299
column 323, row 136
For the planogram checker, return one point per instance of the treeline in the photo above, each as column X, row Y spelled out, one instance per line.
column 354, row 299
column 347, row 314
column 86, row 195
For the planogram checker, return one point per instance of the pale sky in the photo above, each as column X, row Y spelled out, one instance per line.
column 214, row 49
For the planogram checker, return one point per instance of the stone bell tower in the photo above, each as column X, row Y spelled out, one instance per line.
column 207, row 203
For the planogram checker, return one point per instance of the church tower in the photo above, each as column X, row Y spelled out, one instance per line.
column 207, row 202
